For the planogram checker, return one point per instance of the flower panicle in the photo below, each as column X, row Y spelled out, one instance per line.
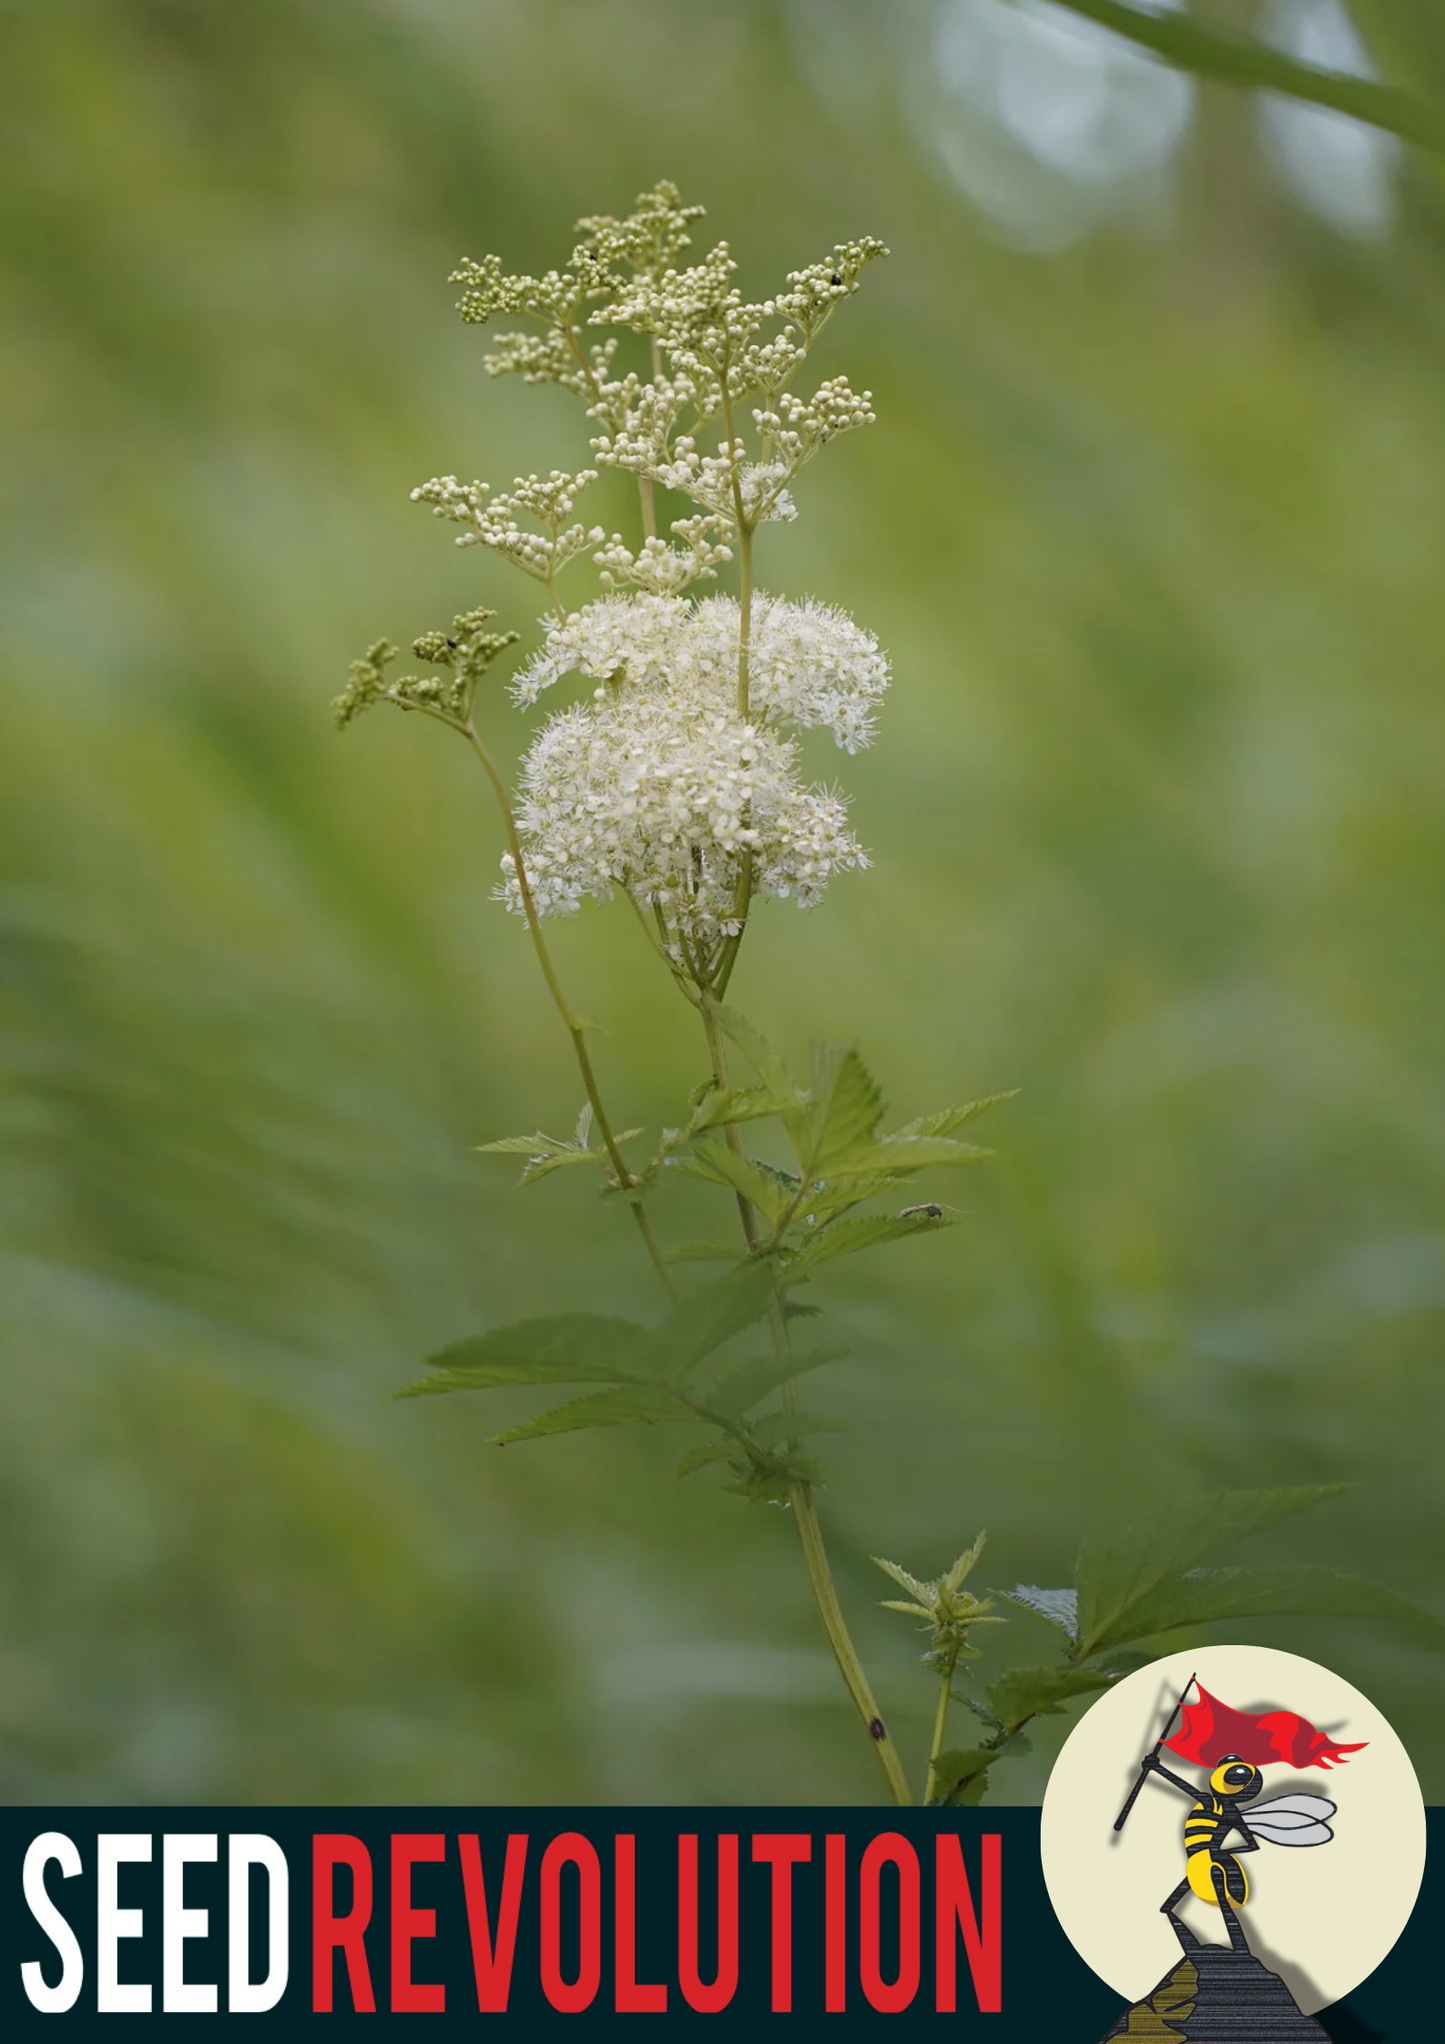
column 464, row 652
column 712, row 349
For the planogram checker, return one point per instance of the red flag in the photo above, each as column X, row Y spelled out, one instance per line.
column 1211, row 1729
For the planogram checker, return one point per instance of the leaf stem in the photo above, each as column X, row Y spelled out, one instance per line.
column 940, row 1727
column 576, row 1027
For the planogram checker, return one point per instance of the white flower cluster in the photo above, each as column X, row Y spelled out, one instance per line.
column 659, row 785
column 492, row 521
column 709, row 479
column 661, row 569
column 809, row 664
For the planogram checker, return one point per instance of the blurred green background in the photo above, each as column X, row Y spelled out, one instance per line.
column 1152, row 523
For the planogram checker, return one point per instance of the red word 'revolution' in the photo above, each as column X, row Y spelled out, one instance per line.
column 564, row 1886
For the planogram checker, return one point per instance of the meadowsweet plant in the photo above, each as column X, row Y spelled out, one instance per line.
column 670, row 775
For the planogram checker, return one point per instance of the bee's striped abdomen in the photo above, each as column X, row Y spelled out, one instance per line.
column 1201, row 1827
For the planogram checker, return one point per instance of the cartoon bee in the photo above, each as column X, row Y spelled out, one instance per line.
column 1213, row 1874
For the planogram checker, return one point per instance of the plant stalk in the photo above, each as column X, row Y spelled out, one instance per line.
column 940, row 1726
column 800, row 1492
column 576, row 1027
column 845, row 1653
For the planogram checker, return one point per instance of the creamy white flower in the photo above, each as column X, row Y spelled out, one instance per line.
column 646, row 790
column 810, row 665
column 659, row 785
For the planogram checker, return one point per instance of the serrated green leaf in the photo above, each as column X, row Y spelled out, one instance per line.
column 1059, row 1607
column 1121, row 1566
column 899, row 1156
column 848, row 1105
column 944, row 1120
column 774, row 1427
column 629, row 1405
column 963, row 1774
column 709, row 1317
column 729, row 1106
column 963, row 1567
column 827, row 1202
column 911, row 1583
column 962, row 1763
column 703, row 1454
column 1041, row 1692
column 846, row 1238
column 759, row 1053
column 980, row 1710
column 1120, row 1663
column 545, row 1154
column 534, row 1145
column 747, row 1384
column 710, row 1157
column 1287, row 1590
column 563, row 1348
column 558, row 1160
column 908, row 1610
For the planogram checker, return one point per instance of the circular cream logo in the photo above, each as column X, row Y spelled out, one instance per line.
column 1226, row 1820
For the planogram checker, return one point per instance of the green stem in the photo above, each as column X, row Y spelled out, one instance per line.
column 844, row 1652
column 940, row 1726
column 576, row 1027
column 800, row 1492
column 658, row 943
column 732, row 1135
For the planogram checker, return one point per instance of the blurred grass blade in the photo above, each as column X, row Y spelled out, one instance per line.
column 1212, row 50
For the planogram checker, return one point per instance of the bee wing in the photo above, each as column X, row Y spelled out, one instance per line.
column 1292, row 1820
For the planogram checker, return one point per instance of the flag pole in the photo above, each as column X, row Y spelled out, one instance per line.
column 1143, row 1765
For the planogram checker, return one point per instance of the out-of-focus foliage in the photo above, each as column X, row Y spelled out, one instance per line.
column 1151, row 524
